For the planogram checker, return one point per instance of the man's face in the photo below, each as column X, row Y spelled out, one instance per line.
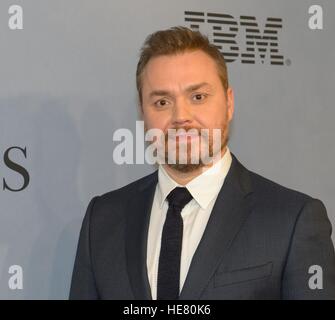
column 184, row 91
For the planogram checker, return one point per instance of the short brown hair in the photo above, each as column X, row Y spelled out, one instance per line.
column 178, row 40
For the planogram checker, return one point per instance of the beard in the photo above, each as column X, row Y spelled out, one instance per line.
column 194, row 154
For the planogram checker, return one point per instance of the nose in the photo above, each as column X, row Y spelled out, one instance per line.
column 182, row 114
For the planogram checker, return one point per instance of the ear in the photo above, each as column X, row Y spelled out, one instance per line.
column 230, row 103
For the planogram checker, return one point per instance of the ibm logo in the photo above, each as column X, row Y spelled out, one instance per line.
column 259, row 46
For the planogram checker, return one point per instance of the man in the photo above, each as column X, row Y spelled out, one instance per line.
column 206, row 229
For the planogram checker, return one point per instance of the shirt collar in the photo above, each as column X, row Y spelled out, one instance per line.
column 203, row 188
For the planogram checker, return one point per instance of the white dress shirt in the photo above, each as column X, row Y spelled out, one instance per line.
column 204, row 189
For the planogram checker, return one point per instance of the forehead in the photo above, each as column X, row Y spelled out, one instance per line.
column 180, row 69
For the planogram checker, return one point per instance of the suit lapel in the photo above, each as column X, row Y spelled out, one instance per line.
column 229, row 212
column 138, row 217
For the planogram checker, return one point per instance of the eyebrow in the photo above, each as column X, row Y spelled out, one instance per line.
column 188, row 89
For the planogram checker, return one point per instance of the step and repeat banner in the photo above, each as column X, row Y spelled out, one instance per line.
column 67, row 84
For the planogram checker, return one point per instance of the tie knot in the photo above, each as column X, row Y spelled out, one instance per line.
column 179, row 197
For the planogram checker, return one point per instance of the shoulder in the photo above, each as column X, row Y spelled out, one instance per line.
column 269, row 195
column 132, row 188
column 264, row 188
column 281, row 201
column 276, row 191
column 112, row 203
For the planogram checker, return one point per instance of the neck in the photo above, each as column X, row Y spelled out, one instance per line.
column 183, row 178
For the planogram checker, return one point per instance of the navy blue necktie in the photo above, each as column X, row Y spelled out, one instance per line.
column 171, row 245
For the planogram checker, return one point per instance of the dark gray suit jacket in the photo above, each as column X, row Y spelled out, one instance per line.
column 259, row 243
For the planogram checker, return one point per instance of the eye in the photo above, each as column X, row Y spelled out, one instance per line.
column 198, row 97
column 161, row 103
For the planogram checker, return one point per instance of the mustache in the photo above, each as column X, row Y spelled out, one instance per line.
column 172, row 133
column 194, row 131
column 185, row 129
